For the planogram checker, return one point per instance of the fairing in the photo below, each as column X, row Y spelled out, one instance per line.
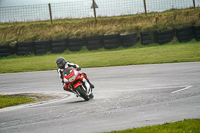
column 73, row 77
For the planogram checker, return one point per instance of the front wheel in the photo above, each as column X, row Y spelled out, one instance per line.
column 82, row 93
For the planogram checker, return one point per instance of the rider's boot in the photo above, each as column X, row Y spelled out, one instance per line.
column 91, row 85
column 85, row 76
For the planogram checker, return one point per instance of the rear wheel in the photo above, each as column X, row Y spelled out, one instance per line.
column 82, row 93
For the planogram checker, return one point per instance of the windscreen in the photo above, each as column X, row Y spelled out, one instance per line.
column 67, row 71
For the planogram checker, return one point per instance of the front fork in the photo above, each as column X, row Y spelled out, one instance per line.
column 84, row 85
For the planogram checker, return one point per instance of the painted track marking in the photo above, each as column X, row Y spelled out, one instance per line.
column 182, row 89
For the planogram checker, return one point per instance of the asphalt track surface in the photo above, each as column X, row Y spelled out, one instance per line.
column 124, row 97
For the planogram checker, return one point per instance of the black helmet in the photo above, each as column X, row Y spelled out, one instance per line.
column 60, row 62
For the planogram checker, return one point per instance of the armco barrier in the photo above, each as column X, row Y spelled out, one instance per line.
column 111, row 41
column 24, row 48
column 128, row 40
column 197, row 32
column 59, row 45
column 185, row 34
column 164, row 36
column 94, row 42
column 75, row 44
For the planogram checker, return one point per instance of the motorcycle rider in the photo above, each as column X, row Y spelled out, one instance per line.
column 62, row 64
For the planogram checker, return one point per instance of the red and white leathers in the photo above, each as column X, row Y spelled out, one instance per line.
column 67, row 64
column 60, row 71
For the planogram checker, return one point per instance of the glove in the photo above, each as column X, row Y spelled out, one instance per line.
column 78, row 69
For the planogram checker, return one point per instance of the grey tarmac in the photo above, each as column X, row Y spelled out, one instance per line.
column 124, row 97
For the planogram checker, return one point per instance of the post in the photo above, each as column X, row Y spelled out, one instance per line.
column 194, row 3
column 94, row 11
column 145, row 7
column 50, row 12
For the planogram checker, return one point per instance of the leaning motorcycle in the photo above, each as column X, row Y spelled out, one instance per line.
column 78, row 83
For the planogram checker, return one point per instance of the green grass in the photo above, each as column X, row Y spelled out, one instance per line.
column 138, row 54
column 6, row 101
column 186, row 126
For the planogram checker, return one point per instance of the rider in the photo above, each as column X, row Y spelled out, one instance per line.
column 62, row 64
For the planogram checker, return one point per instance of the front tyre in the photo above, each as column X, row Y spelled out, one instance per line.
column 82, row 93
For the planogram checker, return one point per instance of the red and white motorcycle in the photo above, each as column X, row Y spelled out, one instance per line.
column 78, row 83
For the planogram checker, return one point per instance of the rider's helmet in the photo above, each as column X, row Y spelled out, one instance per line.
column 60, row 62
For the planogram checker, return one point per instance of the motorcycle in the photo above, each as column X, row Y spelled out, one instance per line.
column 78, row 83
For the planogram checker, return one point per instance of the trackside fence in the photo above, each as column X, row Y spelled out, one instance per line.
column 85, row 8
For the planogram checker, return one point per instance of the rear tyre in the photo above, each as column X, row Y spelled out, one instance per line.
column 82, row 93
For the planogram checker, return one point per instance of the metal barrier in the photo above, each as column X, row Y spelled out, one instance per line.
column 82, row 9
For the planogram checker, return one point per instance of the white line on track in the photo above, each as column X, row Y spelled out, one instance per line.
column 182, row 89
column 151, row 88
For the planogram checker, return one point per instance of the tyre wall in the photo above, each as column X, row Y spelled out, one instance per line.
column 111, row 41
column 197, row 32
column 128, row 40
column 42, row 47
column 76, row 44
column 94, row 42
column 164, row 36
column 59, row 45
column 25, row 48
column 6, row 50
column 147, row 37
column 185, row 34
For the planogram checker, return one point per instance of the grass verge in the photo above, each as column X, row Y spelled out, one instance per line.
column 185, row 126
column 68, row 28
column 138, row 54
column 6, row 101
